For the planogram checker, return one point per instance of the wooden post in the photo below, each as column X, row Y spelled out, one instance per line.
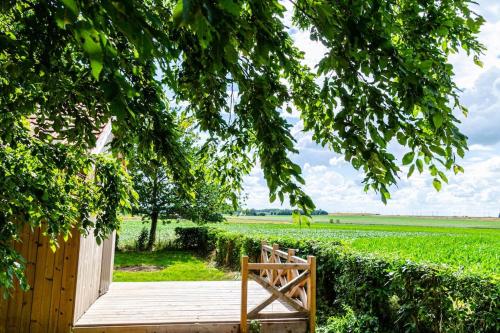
column 262, row 254
column 244, row 295
column 289, row 273
column 311, row 293
column 274, row 256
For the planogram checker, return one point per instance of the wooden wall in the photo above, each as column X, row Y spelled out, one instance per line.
column 48, row 305
column 108, row 258
column 89, row 275
column 63, row 284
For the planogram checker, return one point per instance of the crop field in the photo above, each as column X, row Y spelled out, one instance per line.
column 423, row 221
column 132, row 226
column 471, row 245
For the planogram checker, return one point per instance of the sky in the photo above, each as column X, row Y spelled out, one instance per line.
column 335, row 186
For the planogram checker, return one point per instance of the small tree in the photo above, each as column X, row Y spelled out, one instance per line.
column 161, row 197
column 156, row 193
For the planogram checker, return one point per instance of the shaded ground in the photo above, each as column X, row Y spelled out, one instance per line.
column 140, row 268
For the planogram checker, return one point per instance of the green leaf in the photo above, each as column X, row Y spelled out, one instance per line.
column 477, row 61
column 96, row 65
column 401, row 138
column 433, row 170
column 420, row 165
column 408, row 158
column 384, row 195
column 72, row 6
column 305, row 220
column 412, row 169
column 91, row 43
column 178, row 12
column 230, row 6
column 457, row 169
column 438, row 150
column 437, row 119
column 443, row 176
column 437, row 184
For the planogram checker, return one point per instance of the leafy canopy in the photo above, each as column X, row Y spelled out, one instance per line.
column 234, row 67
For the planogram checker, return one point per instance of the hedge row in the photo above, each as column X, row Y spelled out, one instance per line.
column 387, row 296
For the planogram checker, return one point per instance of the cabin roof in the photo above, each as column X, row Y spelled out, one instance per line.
column 101, row 133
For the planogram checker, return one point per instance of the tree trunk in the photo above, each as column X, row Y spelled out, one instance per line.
column 154, row 214
column 152, row 230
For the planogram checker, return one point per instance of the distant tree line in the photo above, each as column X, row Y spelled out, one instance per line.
column 275, row 211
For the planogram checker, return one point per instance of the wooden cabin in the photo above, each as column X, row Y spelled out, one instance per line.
column 71, row 290
column 63, row 284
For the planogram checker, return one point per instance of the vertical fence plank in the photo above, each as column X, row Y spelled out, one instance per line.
column 22, row 247
column 108, row 254
column 311, row 293
column 263, row 257
column 48, row 284
column 39, row 284
column 31, row 261
column 68, row 283
column 244, row 294
column 274, row 259
column 289, row 273
column 56, row 287
column 89, row 274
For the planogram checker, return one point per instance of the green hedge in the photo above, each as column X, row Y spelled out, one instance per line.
column 396, row 296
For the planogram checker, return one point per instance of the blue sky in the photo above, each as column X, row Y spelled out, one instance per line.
column 336, row 187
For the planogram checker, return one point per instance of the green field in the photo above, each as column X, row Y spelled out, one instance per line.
column 132, row 226
column 471, row 245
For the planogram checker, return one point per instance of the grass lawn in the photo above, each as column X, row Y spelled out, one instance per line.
column 166, row 265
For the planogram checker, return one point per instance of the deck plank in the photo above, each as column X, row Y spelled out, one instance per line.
column 181, row 304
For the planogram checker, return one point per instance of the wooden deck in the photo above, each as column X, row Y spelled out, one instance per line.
column 182, row 307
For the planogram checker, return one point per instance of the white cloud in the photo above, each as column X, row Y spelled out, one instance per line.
column 313, row 50
column 483, row 101
column 337, row 160
column 479, row 147
column 466, row 73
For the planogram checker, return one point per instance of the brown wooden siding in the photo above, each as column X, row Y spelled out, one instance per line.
column 48, row 305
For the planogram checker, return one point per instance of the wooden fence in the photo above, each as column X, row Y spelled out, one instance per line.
column 287, row 277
